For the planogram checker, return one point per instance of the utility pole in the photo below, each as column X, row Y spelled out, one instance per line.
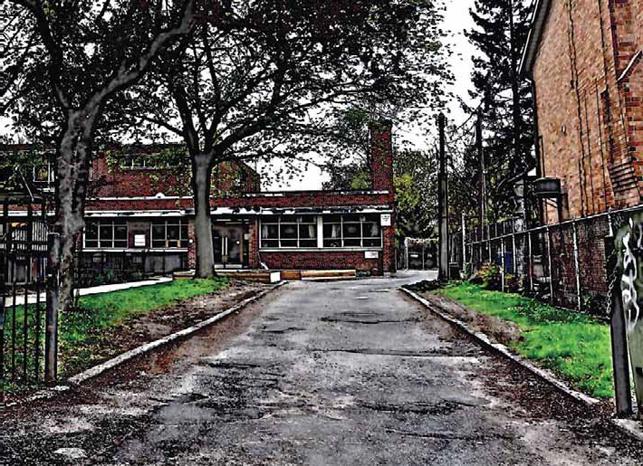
column 483, row 175
column 443, row 204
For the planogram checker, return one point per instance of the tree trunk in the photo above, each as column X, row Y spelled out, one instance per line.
column 72, row 176
column 201, row 185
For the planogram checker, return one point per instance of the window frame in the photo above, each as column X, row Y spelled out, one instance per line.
column 113, row 225
column 179, row 242
column 300, row 220
column 321, row 240
column 128, row 162
column 362, row 220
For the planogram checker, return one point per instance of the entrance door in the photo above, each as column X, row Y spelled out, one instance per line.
column 228, row 244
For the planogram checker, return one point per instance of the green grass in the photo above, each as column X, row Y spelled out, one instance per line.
column 574, row 345
column 84, row 332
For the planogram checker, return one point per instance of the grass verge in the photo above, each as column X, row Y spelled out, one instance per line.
column 574, row 345
column 86, row 333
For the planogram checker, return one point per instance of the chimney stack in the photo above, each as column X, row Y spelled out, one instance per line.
column 381, row 156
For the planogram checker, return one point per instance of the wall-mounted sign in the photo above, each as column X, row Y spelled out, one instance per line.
column 140, row 241
column 386, row 220
column 371, row 255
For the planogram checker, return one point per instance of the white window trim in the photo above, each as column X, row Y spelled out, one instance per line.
column 169, row 222
column 278, row 239
column 99, row 247
column 320, row 238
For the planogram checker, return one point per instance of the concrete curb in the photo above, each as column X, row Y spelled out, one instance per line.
column 144, row 349
column 630, row 427
column 502, row 350
column 182, row 334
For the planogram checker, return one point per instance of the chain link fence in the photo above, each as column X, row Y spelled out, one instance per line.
column 569, row 264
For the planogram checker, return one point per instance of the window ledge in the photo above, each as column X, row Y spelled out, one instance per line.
column 356, row 249
column 138, row 250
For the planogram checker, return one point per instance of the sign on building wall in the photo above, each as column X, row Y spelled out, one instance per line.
column 139, row 241
column 386, row 220
column 371, row 255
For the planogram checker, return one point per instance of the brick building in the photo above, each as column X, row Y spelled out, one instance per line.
column 140, row 215
column 585, row 60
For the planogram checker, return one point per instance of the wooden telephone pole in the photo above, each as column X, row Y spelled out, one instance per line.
column 443, row 204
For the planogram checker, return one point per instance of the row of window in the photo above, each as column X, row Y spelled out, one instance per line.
column 113, row 234
column 338, row 231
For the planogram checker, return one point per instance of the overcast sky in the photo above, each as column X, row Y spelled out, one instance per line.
column 457, row 19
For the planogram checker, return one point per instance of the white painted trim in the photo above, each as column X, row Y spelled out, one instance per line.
column 136, row 250
column 630, row 66
column 320, row 232
column 139, row 198
column 320, row 250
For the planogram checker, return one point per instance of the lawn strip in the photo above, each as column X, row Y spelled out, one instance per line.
column 106, row 324
column 575, row 346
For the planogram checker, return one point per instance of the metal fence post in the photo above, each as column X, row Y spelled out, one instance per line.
column 502, row 262
column 579, row 304
column 551, row 273
column 513, row 254
column 530, row 270
column 464, row 246
column 51, row 322
column 618, row 335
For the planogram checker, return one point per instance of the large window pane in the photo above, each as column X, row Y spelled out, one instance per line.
column 352, row 231
column 170, row 234
column 120, row 236
column 332, row 235
column 91, row 235
column 106, row 234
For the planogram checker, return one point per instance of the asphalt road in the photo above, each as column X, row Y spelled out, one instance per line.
column 319, row 373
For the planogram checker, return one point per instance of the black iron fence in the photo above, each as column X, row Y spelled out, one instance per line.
column 23, row 256
column 105, row 267
column 566, row 264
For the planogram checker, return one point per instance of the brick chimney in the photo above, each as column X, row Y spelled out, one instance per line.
column 381, row 156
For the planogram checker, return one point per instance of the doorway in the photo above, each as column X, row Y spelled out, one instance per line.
column 229, row 245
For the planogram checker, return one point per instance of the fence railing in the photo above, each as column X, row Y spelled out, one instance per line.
column 566, row 264
column 23, row 259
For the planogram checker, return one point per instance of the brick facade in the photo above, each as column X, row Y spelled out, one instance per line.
column 588, row 85
column 146, row 198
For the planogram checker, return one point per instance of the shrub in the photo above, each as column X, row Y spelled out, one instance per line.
column 490, row 276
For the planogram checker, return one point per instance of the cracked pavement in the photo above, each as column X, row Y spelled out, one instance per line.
column 317, row 373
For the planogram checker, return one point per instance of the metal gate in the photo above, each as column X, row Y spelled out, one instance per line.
column 23, row 258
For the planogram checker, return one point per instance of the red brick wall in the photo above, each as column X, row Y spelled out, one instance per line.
column 628, row 37
column 583, row 116
column 322, row 260
column 265, row 200
column 114, row 181
column 382, row 156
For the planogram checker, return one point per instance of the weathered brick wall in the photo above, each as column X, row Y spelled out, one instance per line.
column 322, row 260
column 110, row 180
column 382, row 155
column 628, row 35
column 310, row 199
column 583, row 116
